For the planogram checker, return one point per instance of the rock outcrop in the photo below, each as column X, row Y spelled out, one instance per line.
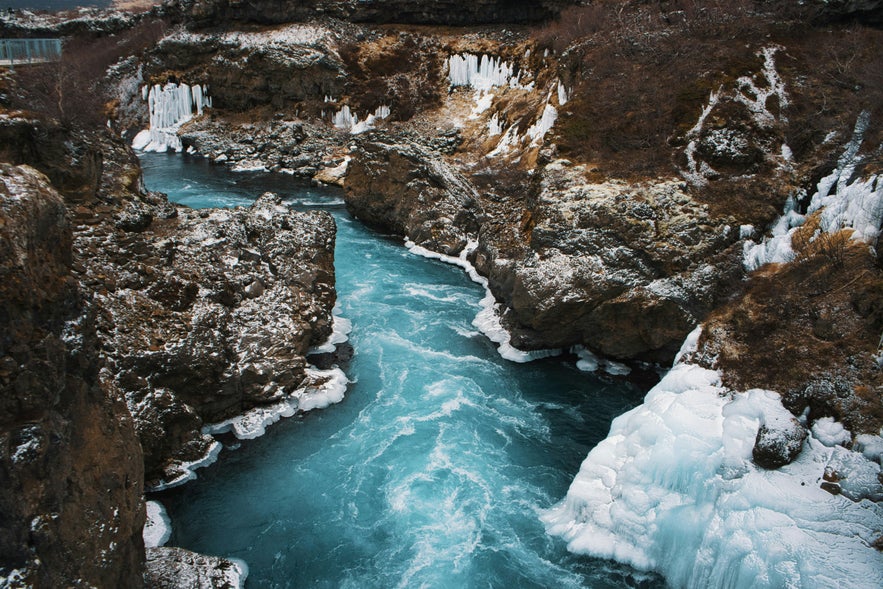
column 176, row 568
column 71, row 473
column 207, row 314
column 596, row 255
column 400, row 187
column 445, row 12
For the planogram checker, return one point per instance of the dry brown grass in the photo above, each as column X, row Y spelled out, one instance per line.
column 809, row 330
column 394, row 70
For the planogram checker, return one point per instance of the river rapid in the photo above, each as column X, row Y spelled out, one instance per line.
column 433, row 469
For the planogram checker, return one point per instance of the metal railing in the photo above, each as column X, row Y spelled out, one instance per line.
column 24, row 51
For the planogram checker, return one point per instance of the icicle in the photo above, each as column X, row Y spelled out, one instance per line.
column 170, row 106
column 563, row 94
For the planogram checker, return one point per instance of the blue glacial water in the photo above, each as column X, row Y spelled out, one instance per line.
column 432, row 470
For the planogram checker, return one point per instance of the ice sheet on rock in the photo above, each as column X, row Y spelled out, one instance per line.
column 487, row 320
column 325, row 388
column 672, row 488
column 855, row 476
column 538, row 130
column 158, row 527
column 188, row 469
column 830, row 432
column 340, row 330
column 170, row 106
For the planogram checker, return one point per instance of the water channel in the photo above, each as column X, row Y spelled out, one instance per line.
column 432, row 470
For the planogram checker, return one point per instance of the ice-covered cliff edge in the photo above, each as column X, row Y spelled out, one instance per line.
column 673, row 488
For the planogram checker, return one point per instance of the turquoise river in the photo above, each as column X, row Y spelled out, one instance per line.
column 433, row 469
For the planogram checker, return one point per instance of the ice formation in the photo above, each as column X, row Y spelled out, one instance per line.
column 158, row 527
column 830, row 432
column 188, row 469
column 589, row 362
column 480, row 73
column 170, row 107
column 698, row 171
column 673, row 489
column 346, row 120
column 538, row 130
column 844, row 202
column 488, row 318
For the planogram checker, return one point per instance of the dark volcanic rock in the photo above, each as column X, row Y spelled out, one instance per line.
column 779, row 445
column 176, row 568
column 70, row 465
column 403, row 188
column 73, row 166
column 444, row 12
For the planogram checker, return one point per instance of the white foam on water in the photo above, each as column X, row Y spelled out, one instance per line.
column 488, row 319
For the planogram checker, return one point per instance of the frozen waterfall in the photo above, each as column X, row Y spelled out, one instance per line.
column 346, row 120
column 170, row 107
column 480, row 73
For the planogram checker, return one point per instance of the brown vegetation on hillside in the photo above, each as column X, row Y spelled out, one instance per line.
column 70, row 90
column 393, row 71
column 809, row 329
column 642, row 71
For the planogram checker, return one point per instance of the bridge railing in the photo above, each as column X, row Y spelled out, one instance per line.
column 23, row 51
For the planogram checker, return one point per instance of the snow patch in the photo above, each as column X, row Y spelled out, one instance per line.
column 158, row 527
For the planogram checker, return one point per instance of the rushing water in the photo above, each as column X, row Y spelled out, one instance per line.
column 432, row 470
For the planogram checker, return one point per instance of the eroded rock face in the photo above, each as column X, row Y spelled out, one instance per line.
column 601, row 255
column 404, row 188
column 245, row 70
column 176, row 568
column 70, row 464
column 207, row 314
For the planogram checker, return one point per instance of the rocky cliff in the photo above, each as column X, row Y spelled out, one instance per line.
column 446, row 12
column 70, row 500
column 128, row 324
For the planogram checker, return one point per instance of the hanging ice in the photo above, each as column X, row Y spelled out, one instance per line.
column 480, row 73
column 346, row 120
column 170, row 106
column 538, row 130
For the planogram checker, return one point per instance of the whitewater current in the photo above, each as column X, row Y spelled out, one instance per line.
column 434, row 468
